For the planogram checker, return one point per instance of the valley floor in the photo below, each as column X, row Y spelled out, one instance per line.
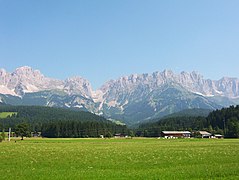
column 120, row 159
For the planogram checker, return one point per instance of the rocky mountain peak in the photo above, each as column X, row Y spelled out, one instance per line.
column 137, row 96
column 24, row 69
column 229, row 87
column 24, row 72
column 78, row 85
column 27, row 80
column 3, row 76
column 193, row 82
column 167, row 74
column 2, row 72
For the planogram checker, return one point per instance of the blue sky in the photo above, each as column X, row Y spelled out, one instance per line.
column 105, row 39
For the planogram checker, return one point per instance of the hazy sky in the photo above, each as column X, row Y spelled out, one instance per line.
column 105, row 39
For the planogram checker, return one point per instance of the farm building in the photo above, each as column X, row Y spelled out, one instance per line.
column 119, row 135
column 176, row 134
column 205, row 134
column 218, row 136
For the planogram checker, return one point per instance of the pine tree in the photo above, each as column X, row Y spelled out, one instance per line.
column 22, row 130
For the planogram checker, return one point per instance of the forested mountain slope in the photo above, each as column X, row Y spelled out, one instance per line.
column 224, row 121
column 58, row 122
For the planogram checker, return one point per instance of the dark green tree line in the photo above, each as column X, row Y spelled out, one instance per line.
column 224, row 121
column 58, row 122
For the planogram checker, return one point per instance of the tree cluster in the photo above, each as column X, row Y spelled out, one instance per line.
column 37, row 115
column 180, row 123
column 58, row 122
column 74, row 129
column 224, row 121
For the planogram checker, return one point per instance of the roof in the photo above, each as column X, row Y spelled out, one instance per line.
column 204, row 133
column 176, row 132
column 218, row 135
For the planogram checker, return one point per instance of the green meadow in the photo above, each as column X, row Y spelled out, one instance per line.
column 6, row 114
column 120, row 159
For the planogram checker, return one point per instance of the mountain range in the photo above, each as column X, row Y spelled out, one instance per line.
column 132, row 99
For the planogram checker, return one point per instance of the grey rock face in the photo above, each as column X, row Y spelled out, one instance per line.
column 131, row 98
column 26, row 80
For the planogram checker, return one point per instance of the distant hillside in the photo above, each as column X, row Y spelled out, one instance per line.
column 6, row 114
column 224, row 121
column 66, row 123
column 190, row 112
column 2, row 103
column 184, row 113
column 39, row 114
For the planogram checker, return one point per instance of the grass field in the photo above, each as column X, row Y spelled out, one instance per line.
column 6, row 114
column 120, row 159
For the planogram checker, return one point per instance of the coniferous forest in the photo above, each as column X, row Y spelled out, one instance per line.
column 58, row 122
column 224, row 121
